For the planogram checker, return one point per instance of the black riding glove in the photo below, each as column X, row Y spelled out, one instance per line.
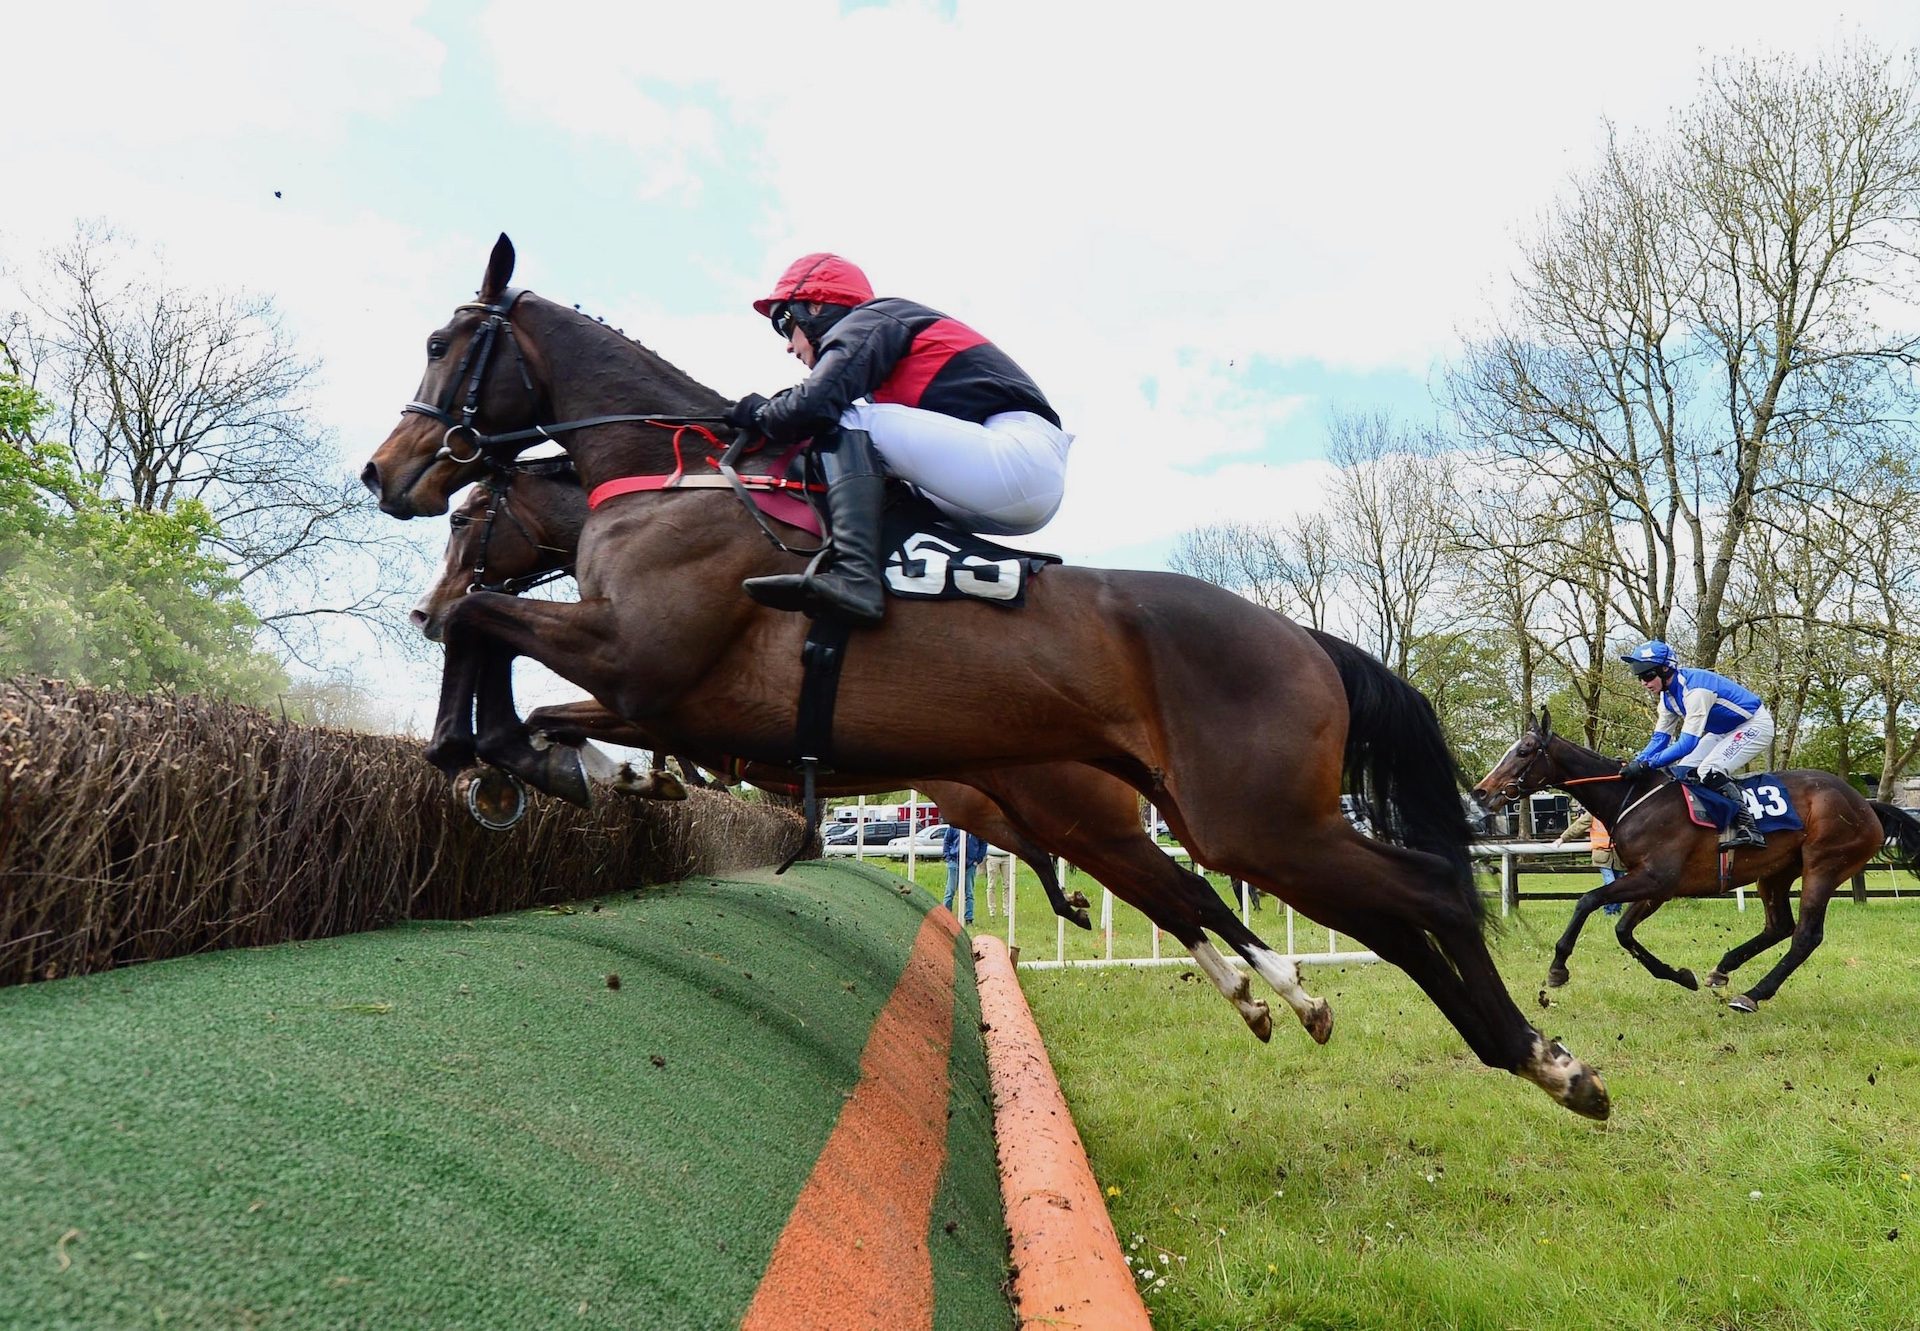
column 1635, row 767
column 745, row 414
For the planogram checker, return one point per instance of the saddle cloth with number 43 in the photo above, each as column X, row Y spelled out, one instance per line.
column 1766, row 797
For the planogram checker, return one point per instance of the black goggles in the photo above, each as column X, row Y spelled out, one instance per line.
column 783, row 319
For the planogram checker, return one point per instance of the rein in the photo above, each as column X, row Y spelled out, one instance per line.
column 498, row 328
column 1620, row 817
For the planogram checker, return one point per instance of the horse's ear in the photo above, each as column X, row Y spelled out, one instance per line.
column 1546, row 723
column 499, row 270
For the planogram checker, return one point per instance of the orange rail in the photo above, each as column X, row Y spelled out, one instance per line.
column 1067, row 1267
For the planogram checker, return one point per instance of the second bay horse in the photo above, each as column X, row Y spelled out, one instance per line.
column 1231, row 719
column 1666, row 855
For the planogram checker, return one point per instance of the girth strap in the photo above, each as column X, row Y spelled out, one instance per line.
column 820, row 661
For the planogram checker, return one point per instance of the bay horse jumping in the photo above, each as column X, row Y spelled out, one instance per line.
column 522, row 523
column 1666, row 854
column 1231, row 719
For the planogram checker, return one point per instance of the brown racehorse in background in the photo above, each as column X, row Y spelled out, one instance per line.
column 1229, row 718
column 1667, row 855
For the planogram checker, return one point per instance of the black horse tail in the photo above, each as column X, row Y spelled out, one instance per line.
column 1398, row 761
column 1902, row 831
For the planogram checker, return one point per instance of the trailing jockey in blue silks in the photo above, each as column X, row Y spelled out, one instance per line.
column 1708, row 727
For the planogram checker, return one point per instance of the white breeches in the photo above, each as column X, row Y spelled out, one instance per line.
column 1734, row 750
column 1001, row 478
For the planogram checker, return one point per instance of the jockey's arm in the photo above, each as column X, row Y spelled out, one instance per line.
column 1669, row 754
column 855, row 358
column 1666, row 729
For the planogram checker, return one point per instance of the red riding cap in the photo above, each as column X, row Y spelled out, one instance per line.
column 822, row 277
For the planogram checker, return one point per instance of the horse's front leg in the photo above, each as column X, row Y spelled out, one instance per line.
column 1623, row 931
column 452, row 747
column 498, row 628
column 1587, row 904
column 573, row 724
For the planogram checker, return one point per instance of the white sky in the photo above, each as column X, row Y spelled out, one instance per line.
column 1201, row 228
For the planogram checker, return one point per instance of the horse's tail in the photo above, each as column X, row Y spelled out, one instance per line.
column 1902, row 830
column 1397, row 759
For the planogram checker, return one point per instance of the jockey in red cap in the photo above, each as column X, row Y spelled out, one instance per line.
column 898, row 389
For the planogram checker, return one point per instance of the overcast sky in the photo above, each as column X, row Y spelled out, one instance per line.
column 1202, row 228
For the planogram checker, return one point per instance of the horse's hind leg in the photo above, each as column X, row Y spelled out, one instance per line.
column 1092, row 819
column 1401, row 904
column 1807, row 936
column 1184, row 904
column 1778, row 924
column 1276, row 968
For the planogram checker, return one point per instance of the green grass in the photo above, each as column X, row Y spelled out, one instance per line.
column 1759, row 1172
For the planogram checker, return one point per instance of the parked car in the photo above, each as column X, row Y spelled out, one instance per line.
column 928, row 841
column 878, row 834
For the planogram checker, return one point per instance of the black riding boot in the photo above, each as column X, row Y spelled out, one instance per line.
column 849, row 587
column 1743, row 832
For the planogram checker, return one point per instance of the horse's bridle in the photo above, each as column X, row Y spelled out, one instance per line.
column 495, row 329
column 1514, row 786
column 497, row 482
column 498, row 328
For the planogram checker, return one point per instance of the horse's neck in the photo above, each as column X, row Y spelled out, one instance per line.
column 593, row 370
column 557, row 508
column 1603, row 799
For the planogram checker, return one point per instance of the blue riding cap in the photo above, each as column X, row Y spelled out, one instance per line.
column 1650, row 657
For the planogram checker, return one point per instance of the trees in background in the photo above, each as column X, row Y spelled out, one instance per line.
column 1693, row 419
column 100, row 591
column 169, row 398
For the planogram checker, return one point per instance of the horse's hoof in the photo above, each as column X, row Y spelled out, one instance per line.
column 1685, row 979
column 1557, row 977
column 662, row 787
column 497, row 799
column 1587, row 1095
column 1319, row 1021
column 667, row 786
column 562, row 773
column 1716, row 979
column 1741, row 1003
column 1261, row 1025
column 1567, row 1079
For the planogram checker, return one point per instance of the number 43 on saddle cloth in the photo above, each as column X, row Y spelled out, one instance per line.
column 1766, row 797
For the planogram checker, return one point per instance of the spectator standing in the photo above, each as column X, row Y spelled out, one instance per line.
column 956, row 848
column 1586, row 825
